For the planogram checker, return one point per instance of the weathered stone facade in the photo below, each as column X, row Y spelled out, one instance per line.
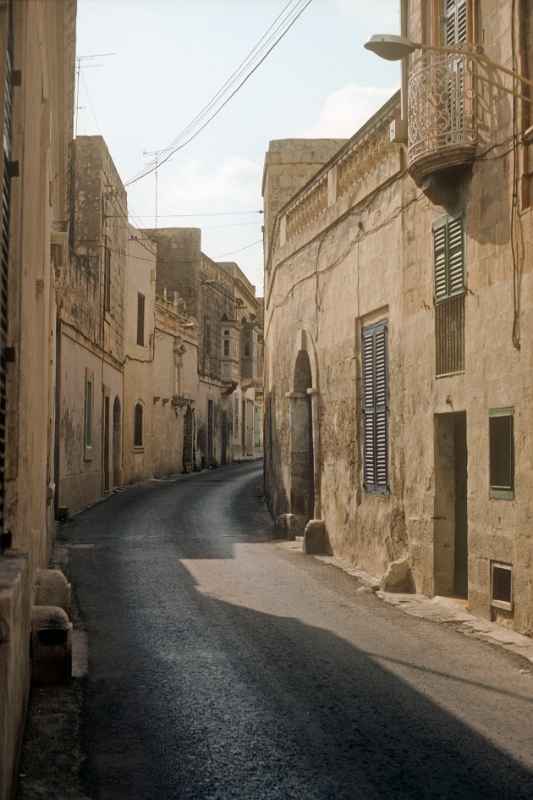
column 355, row 254
column 91, row 330
column 161, row 371
column 37, row 47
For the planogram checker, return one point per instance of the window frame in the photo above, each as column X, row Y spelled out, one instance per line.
column 88, row 415
column 138, row 445
column 497, row 492
column 141, row 319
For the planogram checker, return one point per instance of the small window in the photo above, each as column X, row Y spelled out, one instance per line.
column 138, row 426
column 501, row 577
column 207, row 338
column 236, row 423
column 501, row 441
column 88, row 413
column 107, row 279
column 140, row 319
column 226, row 347
column 247, row 350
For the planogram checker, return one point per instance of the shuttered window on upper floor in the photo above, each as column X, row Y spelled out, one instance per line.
column 449, row 293
column 455, row 22
column 375, row 408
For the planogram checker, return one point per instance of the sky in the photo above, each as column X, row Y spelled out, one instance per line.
column 172, row 56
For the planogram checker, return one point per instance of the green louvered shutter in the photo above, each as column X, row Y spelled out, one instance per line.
column 455, row 256
column 449, row 258
column 375, row 408
column 439, row 256
column 449, row 285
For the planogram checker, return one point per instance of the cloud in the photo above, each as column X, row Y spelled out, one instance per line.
column 193, row 185
column 346, row 109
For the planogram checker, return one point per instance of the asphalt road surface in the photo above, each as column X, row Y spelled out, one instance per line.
column 223, row 665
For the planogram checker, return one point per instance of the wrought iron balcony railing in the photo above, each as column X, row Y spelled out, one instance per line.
column 442, row 113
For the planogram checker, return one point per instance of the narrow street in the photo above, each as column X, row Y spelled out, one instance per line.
column 224, row 666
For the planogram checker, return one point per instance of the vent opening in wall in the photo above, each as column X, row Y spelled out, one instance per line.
column 501, row 594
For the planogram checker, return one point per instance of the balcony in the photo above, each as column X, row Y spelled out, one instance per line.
column 442, row 114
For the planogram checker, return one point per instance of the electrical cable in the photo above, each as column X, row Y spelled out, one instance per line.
column 240, row 250
column 174, row 150
column 234, row 75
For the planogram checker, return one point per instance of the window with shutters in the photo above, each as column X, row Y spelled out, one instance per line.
column 5, row 212
column 501, row 453
column 449, row 291
column 375, row 408
column 88, row 414
column 140, row 319
column 138, row 433
column 455, row 22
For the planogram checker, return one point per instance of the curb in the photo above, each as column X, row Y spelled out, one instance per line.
column 437, row 609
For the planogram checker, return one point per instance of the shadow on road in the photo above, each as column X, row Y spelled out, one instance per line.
column 191, row 696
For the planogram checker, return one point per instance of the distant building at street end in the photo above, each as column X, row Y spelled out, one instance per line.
column 161, row 371
column 227, row 412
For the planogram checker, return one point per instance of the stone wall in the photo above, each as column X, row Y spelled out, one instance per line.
column 44, row 49
column 91, row 310
column 360, row 252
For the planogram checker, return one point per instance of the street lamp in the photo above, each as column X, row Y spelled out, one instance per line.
column 396, row 48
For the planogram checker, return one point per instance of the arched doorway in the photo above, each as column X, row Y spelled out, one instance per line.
column 117, row 443
column 302, row 456
column 188, row 441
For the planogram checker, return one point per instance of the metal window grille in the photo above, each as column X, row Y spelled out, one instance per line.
column 501, row 453
column 375, row 408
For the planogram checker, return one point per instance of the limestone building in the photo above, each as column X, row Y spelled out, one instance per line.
column 247, row 439
column 37, row 48
column 160, row 373
column 399, row 320
column 91, row 330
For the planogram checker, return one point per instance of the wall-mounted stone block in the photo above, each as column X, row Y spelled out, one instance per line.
column 51, row 646
column 52, row 589
column 398, row 577
column 316, row 540
column 286, row 526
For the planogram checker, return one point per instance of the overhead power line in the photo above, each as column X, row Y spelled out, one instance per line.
column 288, row 21
column 234, row 75
column 240, row 250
